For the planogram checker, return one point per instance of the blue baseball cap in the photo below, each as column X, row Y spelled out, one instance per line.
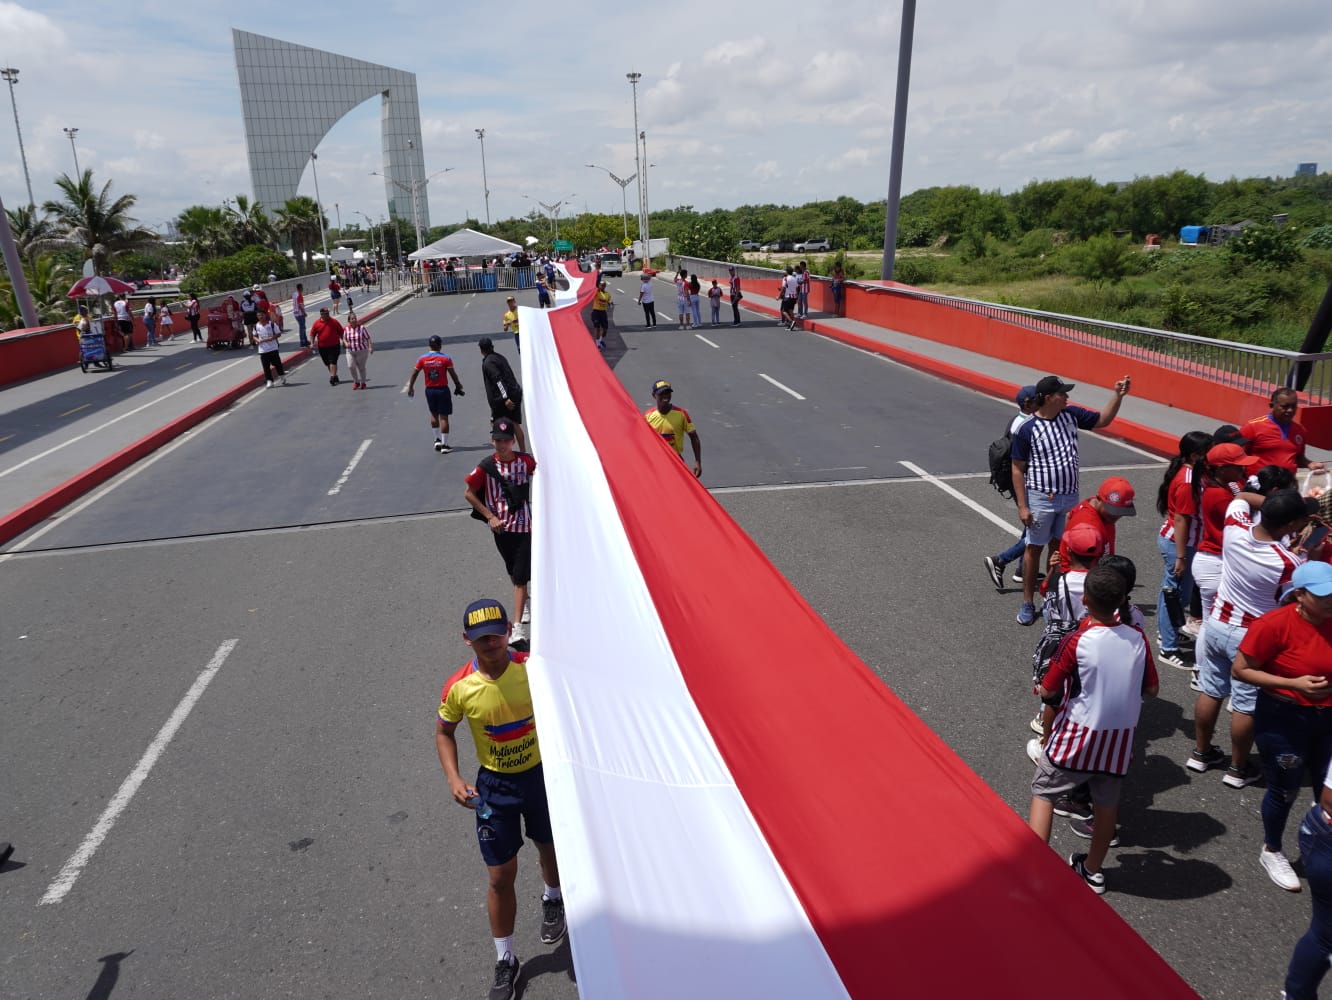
column 660, row 386
column 1315, row 577
column 1026, row 393
column 485, row 617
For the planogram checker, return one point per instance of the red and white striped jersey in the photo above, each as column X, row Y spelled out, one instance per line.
column 1253, row 572
column 1180, row 500
column 1103, row 671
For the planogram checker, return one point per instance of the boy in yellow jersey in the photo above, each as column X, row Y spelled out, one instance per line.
column 511, row 320
column 492, row 694
column 673, row 423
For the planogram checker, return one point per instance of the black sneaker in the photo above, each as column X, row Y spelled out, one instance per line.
column 1241, row 777
column 506, row 978
column 1065, row 806
column 996, row 570
column 446, row 449
column 439, row 445
column 1214, row 757
column 1078, row 862
column 1083, row 829
column 553, row 926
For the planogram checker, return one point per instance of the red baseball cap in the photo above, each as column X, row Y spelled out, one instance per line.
column 1116, row 496
column 1083, row 541
column 1231, row 454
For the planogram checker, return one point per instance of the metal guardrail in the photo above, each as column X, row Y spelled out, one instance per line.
column 478, row 279
column 1247, row 367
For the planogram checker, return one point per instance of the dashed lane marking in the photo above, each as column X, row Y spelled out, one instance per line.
column 784, row 388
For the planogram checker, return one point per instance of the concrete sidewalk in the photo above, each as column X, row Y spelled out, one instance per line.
column 63, row 434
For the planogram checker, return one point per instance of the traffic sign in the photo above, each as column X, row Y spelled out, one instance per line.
column 626, row 242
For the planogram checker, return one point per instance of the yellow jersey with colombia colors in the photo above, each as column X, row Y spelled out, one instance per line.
column 499, row 714
column 673, row 426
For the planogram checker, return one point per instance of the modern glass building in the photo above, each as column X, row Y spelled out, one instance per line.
column 291, row 95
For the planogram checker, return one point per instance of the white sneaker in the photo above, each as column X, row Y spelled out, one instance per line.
column 268, row 384
column 1034, row 749
column 1279, row 870
column 526, row 619
column 519, row 633
column 1038, row 724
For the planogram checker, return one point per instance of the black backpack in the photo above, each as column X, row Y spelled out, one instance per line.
column 1001, row 464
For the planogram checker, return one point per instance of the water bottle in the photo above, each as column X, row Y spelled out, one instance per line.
column 482, row 807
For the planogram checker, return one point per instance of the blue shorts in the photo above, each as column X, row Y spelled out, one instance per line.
column 1220, row 644
column 1048, row 514
column 440, row 402
column 517, row 800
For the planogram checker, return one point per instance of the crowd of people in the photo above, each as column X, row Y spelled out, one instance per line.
column 1244, row 604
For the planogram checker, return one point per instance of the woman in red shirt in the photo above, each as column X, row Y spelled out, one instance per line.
column 1177, row 502
column 1287, row 653
column 1227, row 467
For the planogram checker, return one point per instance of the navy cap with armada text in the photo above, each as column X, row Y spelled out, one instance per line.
column 485, row 617
column 660, row 386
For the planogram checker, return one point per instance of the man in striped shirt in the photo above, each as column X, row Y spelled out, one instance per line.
column 1045, row 472
column 1255, row 566
column 502, row 499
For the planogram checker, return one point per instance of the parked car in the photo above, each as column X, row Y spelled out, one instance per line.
column 820, row 243
column 749, row 244
column 612, row 264
column 776, row 246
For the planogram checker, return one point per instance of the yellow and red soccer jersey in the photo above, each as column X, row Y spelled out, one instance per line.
column 499, row 713
column 673, row 426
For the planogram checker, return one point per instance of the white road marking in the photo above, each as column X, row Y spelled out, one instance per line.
column 966, row 500
column 69, row 874
column 710, row 343
column 346, row 473
column 784, row 388
column 129, row 474
column 124, row 416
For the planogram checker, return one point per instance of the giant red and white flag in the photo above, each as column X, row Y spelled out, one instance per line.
column 742, row 808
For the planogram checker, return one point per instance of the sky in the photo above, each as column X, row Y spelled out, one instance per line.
column 771, row 102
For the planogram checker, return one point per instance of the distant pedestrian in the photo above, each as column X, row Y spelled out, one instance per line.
column 165, row 321
column 150, row 320
column 249, row 304
column 838, row 288
column 802, row 295
column 543, row 292
column 359, row 346
column 736, row 296
column 696, row 300
column 789, row 294
column 601, row 302
column 124, row 320
column 714, row 302
column 270, row 357
column 511, row 320
column 438, row 369
column 327, row 336
column 192, row 310
column 298, row 312
column 646, row 300
column 682, row 299
column 335, row 294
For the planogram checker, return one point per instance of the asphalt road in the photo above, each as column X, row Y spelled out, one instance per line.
column 295, row 837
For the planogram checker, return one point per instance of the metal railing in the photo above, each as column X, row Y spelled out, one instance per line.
column 1247, row 367
column 478, row 279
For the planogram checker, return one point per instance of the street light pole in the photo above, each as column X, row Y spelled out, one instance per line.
column 485, row 184
column 72, row 132
column 624, row 204
column 647, row 235
column 416, row 200
column 319, row 204
column 11, row 77
column 638, row 164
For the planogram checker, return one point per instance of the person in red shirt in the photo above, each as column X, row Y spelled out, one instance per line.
column 327, row 336
column 438, row 368
column 1287, row 653
column 1278, row 438
column 1177, row 502
column 1113, row 500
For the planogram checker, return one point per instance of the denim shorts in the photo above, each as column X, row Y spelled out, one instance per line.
column 1048, row 512
column 1220, row 643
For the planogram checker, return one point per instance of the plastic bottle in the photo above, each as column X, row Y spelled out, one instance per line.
column 482, row 807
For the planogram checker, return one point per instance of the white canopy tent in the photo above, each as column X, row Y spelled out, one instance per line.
column 464, row 243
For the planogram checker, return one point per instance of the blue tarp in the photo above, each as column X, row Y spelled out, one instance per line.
column 1193, row 234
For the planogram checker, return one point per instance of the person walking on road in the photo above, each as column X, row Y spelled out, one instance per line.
column 503, row 392
column 695, row 301
column 438, row 368
column 735, row 296
column 499, row 490
column 150, row 320
column 673, row 423
column 165, row 321
column 298, row 313
column 335, row 294
column 646, row 300
column 714, row 302
column 124, row 320
column 788, row 293
column 511, row 321
column 270, row 357
column 601, row 302
column 359, row 346
column 492, row 693
column 192, row 311
column 327, row 336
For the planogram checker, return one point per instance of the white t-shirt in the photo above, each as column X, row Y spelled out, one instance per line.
column 122, row 311
column 645, row 292
column 790, row 286
column 1253, row 572
column 267, row 336
column 149, row 310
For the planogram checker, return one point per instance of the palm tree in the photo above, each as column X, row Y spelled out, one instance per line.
column 299, row 219
column 208, row 231
column 95, row 223
column 48, row 281
column 33, row 231
column 250, row 223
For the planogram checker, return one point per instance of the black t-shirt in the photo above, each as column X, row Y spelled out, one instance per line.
column 500, row 383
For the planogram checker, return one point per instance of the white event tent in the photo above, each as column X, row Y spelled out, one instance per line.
column 464, row 243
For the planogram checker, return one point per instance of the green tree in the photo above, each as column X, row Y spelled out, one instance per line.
column 240, row 270
column 49, row 281
column 1267, row 246
column 250, row 224
column 299, row 220
column 1101, row 260
column 711, row 237
column 33, row 231
column 207, row 231
column 94, row 222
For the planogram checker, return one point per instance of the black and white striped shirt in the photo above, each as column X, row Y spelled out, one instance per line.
column 1050, row 449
